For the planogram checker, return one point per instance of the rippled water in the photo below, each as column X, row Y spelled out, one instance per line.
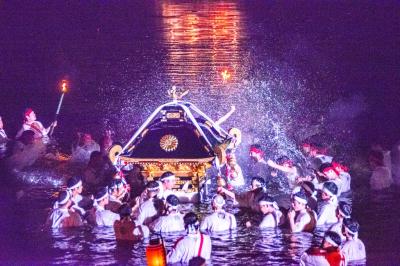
column 296, row 70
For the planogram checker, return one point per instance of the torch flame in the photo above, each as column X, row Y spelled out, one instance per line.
column 225, row 75
column 64, row 86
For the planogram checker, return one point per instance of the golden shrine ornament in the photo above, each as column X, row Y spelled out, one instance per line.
column 169, row 143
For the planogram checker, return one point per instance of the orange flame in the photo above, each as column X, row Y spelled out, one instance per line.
column 225, row 75
column 64, row 86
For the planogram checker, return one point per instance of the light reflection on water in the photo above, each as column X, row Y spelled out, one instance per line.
column 202, row 39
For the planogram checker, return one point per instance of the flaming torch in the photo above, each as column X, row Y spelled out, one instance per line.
column 63, row 90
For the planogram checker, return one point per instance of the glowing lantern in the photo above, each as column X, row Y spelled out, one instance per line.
column 155, row 253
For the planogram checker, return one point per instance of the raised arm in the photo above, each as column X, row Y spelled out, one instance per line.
column 225, row 117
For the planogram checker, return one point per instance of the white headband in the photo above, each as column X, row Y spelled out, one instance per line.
column 57, row 204
column 219, row 203
column 76, row 185
column 349, row 231
column 62, row 202
column 330, row 240
column 153, row 188
column 301, row 200
column 102, row 197
column 273, row 203
column 168, row 178
column 328, row 192
column 343, row 214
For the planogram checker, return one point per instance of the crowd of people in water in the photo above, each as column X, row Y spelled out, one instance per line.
column 312, row 196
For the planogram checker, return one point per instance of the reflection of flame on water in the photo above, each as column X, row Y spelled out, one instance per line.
column 201, row 39
column 225, row 75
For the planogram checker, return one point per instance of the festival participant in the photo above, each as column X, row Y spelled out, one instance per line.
column 149, row 210
column 331, row 174
column 167, row 182
column 172, row 220
column 328, row 254
column 84, row 147
column 343, row 211
column 125, row 228
column 96, row 172
column 301, row 219
column 233, row 171
column 380, row 178
column 309, row 189
column 3, row 139
column 285, row 165
column 75, row 187
column 248, row 199
column 116, row 191
column 30, row 123
column 219, row 220
column 259, row 166
column 317, row 157
column 353, row 248
column 327, row 210
column 99, row 215
column 192, row 245
column 62, row 216
column 344, row 176
column 270, row 209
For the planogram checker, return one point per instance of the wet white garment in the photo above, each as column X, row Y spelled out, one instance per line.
column 339, row 183
column 312, row 260
column 354, row 250
column 147, row 212
column 292, row 179
column 218, row 221
column 81, row 154
column 188, row 247
column 302, row 219
column 318, row 260
column 105, row 217
column 381, row 178
column 234, row 175
column 337, row 228
column 324, row 158
column 168, row 223
column 37, row 127
column 271, row 220
column 75, row 204
column 60, row 218
column 346, row 181
column 327, row 213
column 163, row 193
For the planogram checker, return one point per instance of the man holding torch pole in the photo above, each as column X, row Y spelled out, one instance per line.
column 30, row 122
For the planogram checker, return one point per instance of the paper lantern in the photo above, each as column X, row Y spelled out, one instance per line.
column 155, row 253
